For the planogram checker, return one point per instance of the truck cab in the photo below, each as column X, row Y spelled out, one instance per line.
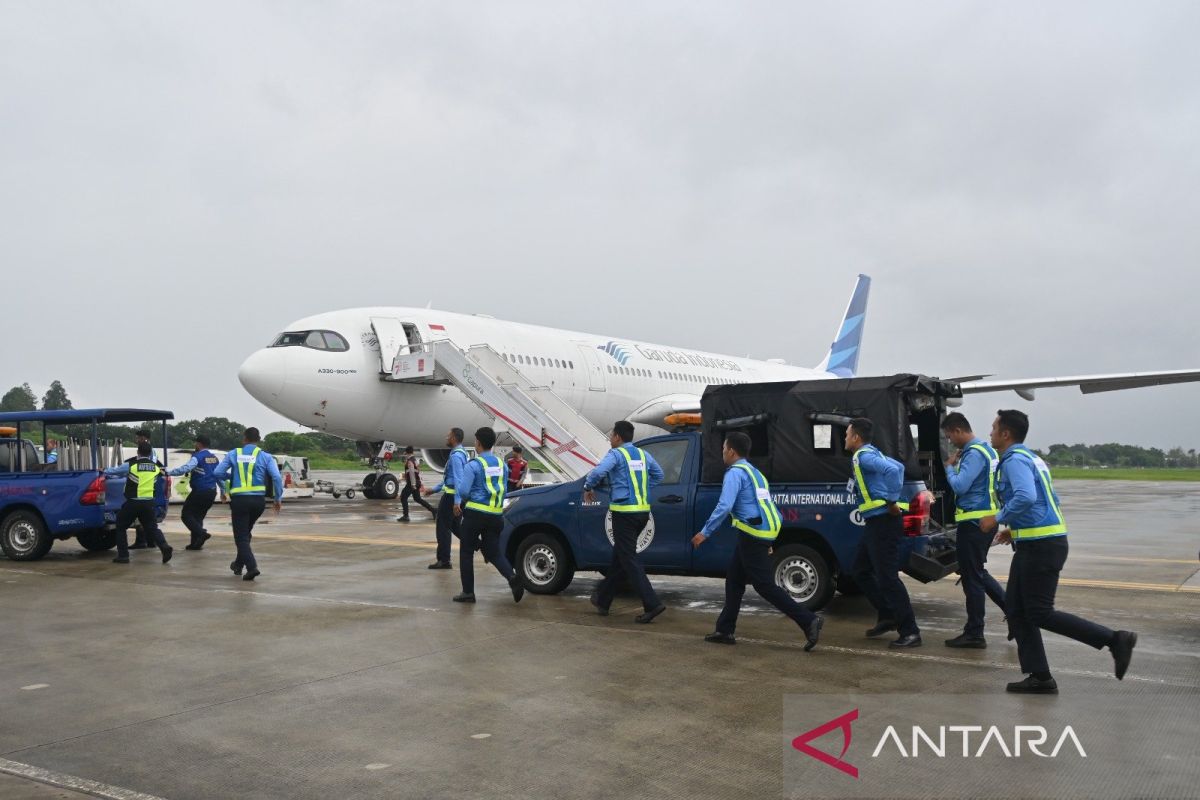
column 797, row 430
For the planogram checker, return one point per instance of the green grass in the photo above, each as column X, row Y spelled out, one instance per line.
column 335, row 463
column 1125, row 474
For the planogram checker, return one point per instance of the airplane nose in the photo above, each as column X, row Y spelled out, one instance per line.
column 262, row 375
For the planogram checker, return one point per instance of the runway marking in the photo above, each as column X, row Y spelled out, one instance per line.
column 377, row 766
column 35, row 686
column 71, row 782
column 1126, row 585
column 316, row 537
column 1191, row 561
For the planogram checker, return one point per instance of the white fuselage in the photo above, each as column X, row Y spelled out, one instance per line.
column 606, row 379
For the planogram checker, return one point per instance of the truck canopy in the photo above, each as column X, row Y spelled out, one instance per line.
column 80, row 415
column 797, row 427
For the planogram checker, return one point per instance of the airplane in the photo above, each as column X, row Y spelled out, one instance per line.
column 324, row 372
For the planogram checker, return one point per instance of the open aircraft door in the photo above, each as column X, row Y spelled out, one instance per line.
column 392, row 339
column 595, row 370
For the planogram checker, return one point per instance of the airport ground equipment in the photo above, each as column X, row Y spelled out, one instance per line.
column 797, row 431
column 337, row 490
column 562, row 440
column 42, row 502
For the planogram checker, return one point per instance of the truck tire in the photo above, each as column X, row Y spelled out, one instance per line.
column 97, row 541
column 804, row 574
column 544, row 564
column 368, row 484
column 387, row 487
column 23, row 536
column 846, row 585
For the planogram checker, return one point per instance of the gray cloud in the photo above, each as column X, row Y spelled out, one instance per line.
column 1018, row 178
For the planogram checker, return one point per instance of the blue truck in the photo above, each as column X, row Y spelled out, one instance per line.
column 41, row 502
column 797, row 430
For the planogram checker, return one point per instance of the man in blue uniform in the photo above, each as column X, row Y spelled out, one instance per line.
column 248, row 469
column 971, row 473
column 632, row 473
column 142, row 474
column 51, row 451
column 1038, row 532
column 877, row 482
column 202, row 490
column 480, row 503
column 746, row 495
column 446, row 523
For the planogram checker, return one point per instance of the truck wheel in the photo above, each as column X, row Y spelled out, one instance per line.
column 24, row 537
column 846, row 585
column 387, row 487
column 544, row 564
column 804, row 574
column 97, row 541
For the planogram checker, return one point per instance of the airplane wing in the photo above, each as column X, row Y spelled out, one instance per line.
column 1088, row 384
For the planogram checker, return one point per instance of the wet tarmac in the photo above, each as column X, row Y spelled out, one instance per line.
column 346, row 671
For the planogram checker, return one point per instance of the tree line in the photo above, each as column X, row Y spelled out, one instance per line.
column 223, row 433
column 1120, row 455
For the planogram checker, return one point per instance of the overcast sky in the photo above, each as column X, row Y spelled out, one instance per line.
column 179, row 181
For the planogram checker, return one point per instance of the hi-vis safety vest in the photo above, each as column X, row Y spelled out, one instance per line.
column 770, row 521
column 637, row 481
column 869, row 503
column 142, row 475
column 245, row 472
column 461, row 451
column 1057, row 523
column 993, row 462
column 493, row 481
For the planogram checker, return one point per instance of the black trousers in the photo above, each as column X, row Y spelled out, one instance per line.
column 476, row 527
column 447, row 525
column 245, row 509
column 195, row 509
column 1032, row 583
column 415, row 494
column 141, row 511
column 751, row 563
column 627, row 527
column 876, row 571
column 977, row 582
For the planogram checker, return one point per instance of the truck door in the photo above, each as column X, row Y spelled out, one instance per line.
column 664, row 543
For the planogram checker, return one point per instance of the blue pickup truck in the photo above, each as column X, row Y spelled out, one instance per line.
column 41, row 502
column 797, row 428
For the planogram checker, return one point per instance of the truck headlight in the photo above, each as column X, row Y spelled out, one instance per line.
column 509, row 501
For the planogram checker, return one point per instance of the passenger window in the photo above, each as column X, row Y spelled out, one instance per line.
column 670, row 456
column 571, row 364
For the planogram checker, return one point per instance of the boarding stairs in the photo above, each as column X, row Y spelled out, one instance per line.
column 561, row 438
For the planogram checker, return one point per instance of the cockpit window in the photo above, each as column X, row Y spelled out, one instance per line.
column 316, row 340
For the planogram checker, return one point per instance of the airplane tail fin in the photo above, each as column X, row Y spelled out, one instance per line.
column 842, row 358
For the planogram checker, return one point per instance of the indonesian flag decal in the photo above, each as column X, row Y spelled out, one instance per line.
column 433, row 326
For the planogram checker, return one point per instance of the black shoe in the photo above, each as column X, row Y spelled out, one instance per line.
column 251, row 574
column 463, row 598
column 440, row 565
column 912, row 640
column 595, row 600
column 121, row 560
column 716, row 637
column 192, row 546
column 235, row 567
column 881, row 628
column 204, row 537
column 167, row 552
column 1032, row 685
column 518, row 588
column 812, row 633
column 647, row 617
column 402, row 519
column 967, row 642
column 138, row 546
column 1122, row 650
